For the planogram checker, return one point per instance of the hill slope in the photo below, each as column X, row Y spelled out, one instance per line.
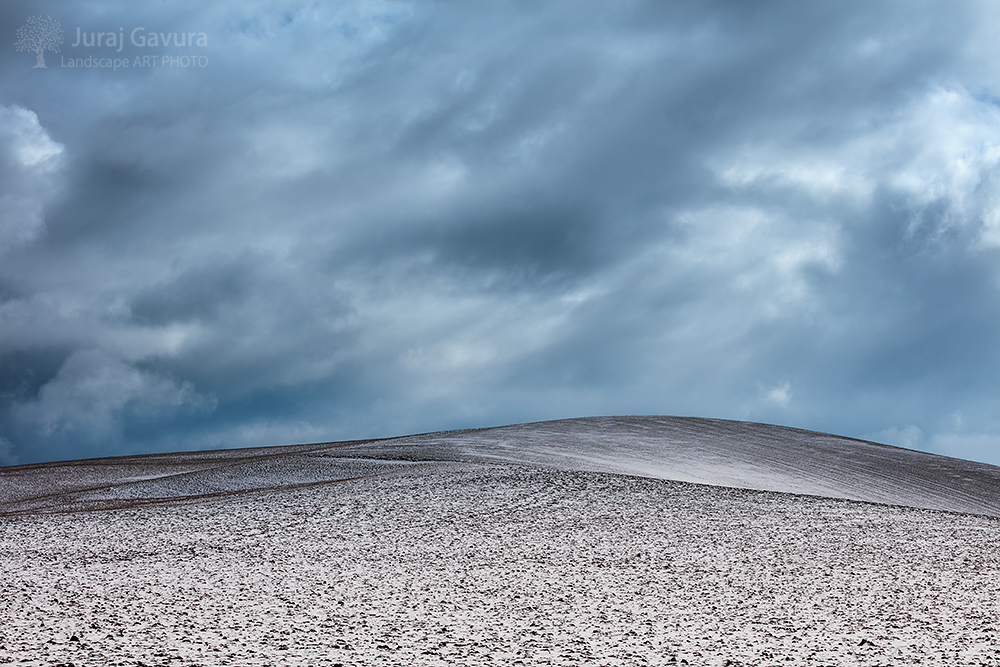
column 706, row 451
column 721, row 453
column 507, row 545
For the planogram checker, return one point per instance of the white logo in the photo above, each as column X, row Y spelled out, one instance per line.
column 38, row 35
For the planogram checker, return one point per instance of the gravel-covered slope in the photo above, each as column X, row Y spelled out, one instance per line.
column 499, row 564
column 707, row 451
column 722, row 453
column 559, row 543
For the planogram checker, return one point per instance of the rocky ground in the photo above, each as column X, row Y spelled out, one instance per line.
column 480, row 564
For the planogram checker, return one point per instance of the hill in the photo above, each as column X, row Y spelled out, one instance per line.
column 705, row 451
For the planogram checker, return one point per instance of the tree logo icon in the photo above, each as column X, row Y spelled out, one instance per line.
column 39, row 34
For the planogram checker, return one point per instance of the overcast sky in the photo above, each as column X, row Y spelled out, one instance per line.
column 346, row 220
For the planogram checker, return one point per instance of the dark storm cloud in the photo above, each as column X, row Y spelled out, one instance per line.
column 396, row 217
column 196, row 295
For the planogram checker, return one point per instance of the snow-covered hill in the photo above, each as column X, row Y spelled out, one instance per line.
column 558, row 543
column 706, row 451
column 721, row 453
column 479, row 564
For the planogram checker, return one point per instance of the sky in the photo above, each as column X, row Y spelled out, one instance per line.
column 249, row 223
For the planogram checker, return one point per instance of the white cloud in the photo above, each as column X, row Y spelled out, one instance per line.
column 762, row 257
column 780, row 395
column 89, row 396
column 951, row 154
column 30, row 162
column 940, row 154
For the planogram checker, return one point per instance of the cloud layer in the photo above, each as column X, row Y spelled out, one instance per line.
column 383, row 218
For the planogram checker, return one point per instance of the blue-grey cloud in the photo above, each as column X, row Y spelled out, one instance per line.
column 379, row 218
